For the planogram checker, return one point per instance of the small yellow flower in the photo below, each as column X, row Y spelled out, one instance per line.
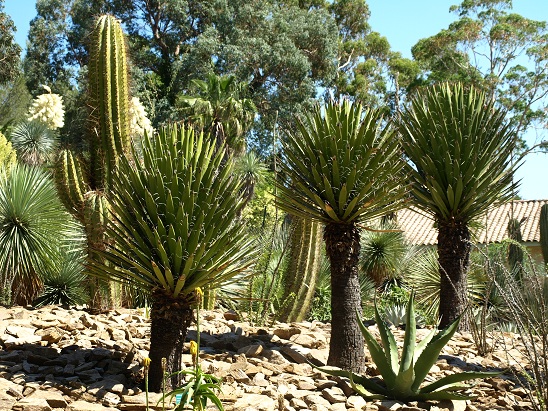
column 199, row 292
column 146, row 362
column 194, row 352
column 164, row 364
column 193, row 348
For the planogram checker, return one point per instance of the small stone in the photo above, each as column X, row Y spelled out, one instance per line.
column 231, row 315
column 389, row 405
column 250, row 351
column 32, row 404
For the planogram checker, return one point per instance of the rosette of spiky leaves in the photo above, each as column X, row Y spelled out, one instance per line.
column 402, row 375
column 34, row 142
column 175, row 217
column 32, row 225
column 65, row 282
column 343, row 167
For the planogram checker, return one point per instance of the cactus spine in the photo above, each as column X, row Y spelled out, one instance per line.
column 543, row 223
column 83, row 188
column 303, row 267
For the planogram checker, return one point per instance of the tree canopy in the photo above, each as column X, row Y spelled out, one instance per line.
column 9, row 50
column 496, row 50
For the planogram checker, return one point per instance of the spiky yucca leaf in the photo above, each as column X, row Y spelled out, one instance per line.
column 32, row 224
column 175, row 217
column 461, row 148
column 343, row 168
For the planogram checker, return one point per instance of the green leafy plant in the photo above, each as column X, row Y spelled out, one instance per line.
column 403, row 375
column 34, row 142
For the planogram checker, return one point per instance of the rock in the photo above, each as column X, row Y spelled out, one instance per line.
column 86, row 406
column 231, row 315
column 251, row 350
column 256, row 401
column 286, row 332
column 32, row 404
column 389, row 405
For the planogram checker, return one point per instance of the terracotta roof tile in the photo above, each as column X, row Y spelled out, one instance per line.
column 419, row 227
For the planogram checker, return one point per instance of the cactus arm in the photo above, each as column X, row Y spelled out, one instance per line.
column 70, row 181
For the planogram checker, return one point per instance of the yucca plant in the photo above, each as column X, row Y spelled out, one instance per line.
column 460, row 149
column 403, row 374
column 65, row 281
column 34, row 142
column 342, row 168
column 174, row 230
column 32, row 225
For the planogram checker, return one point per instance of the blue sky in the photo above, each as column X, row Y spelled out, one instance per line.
column 403, row 22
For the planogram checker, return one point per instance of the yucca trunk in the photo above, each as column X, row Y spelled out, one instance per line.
column 454, row 259
column 346, row 349
column 170, row 319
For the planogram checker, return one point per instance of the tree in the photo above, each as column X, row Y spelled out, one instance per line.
column 282, row 50
column 342, row 168
column 174, row 231
column 221, row 110
column 367, row 69
column 9, row 49
column 497, row 51
column 459, row 146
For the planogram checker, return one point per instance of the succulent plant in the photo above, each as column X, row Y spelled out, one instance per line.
column 403, row 376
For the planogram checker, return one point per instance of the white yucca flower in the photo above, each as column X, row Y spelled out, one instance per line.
column 48, row 109
column 139, row 122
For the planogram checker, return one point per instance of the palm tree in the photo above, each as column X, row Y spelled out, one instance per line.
column 174, row 230
column 221, row 110
column 460, row 149
column 342, row 168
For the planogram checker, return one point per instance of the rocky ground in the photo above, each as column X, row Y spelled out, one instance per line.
column 57, row 359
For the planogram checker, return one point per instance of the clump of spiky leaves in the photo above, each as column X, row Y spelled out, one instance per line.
column 64, row 283
column 174, row 229
column 32, row 226
column 383, row 253
column 403, row 375
column 34, row 142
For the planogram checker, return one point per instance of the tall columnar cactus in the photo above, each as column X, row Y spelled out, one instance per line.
column 543, row 223
column 83, row 185
column 303, row 267
column 515, row 253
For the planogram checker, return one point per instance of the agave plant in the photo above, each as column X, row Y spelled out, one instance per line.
column 403, row 375
column 175, row 230
column 34, row 142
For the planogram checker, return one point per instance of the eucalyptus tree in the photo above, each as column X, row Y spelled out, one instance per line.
column 10, row 51
column 460, row 147
column 342, row 168
column 498, row 51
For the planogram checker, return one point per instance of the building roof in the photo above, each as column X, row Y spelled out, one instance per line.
column 419, row 228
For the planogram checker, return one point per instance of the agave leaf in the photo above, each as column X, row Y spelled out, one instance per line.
column 365, row 382
column 378, row 356
column 388, row 341
column 364, row 393
column 431, row 352
column 457, row 378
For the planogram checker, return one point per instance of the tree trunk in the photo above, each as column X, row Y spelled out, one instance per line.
column 454, row 259
column 346, row 349
column 170, row 320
